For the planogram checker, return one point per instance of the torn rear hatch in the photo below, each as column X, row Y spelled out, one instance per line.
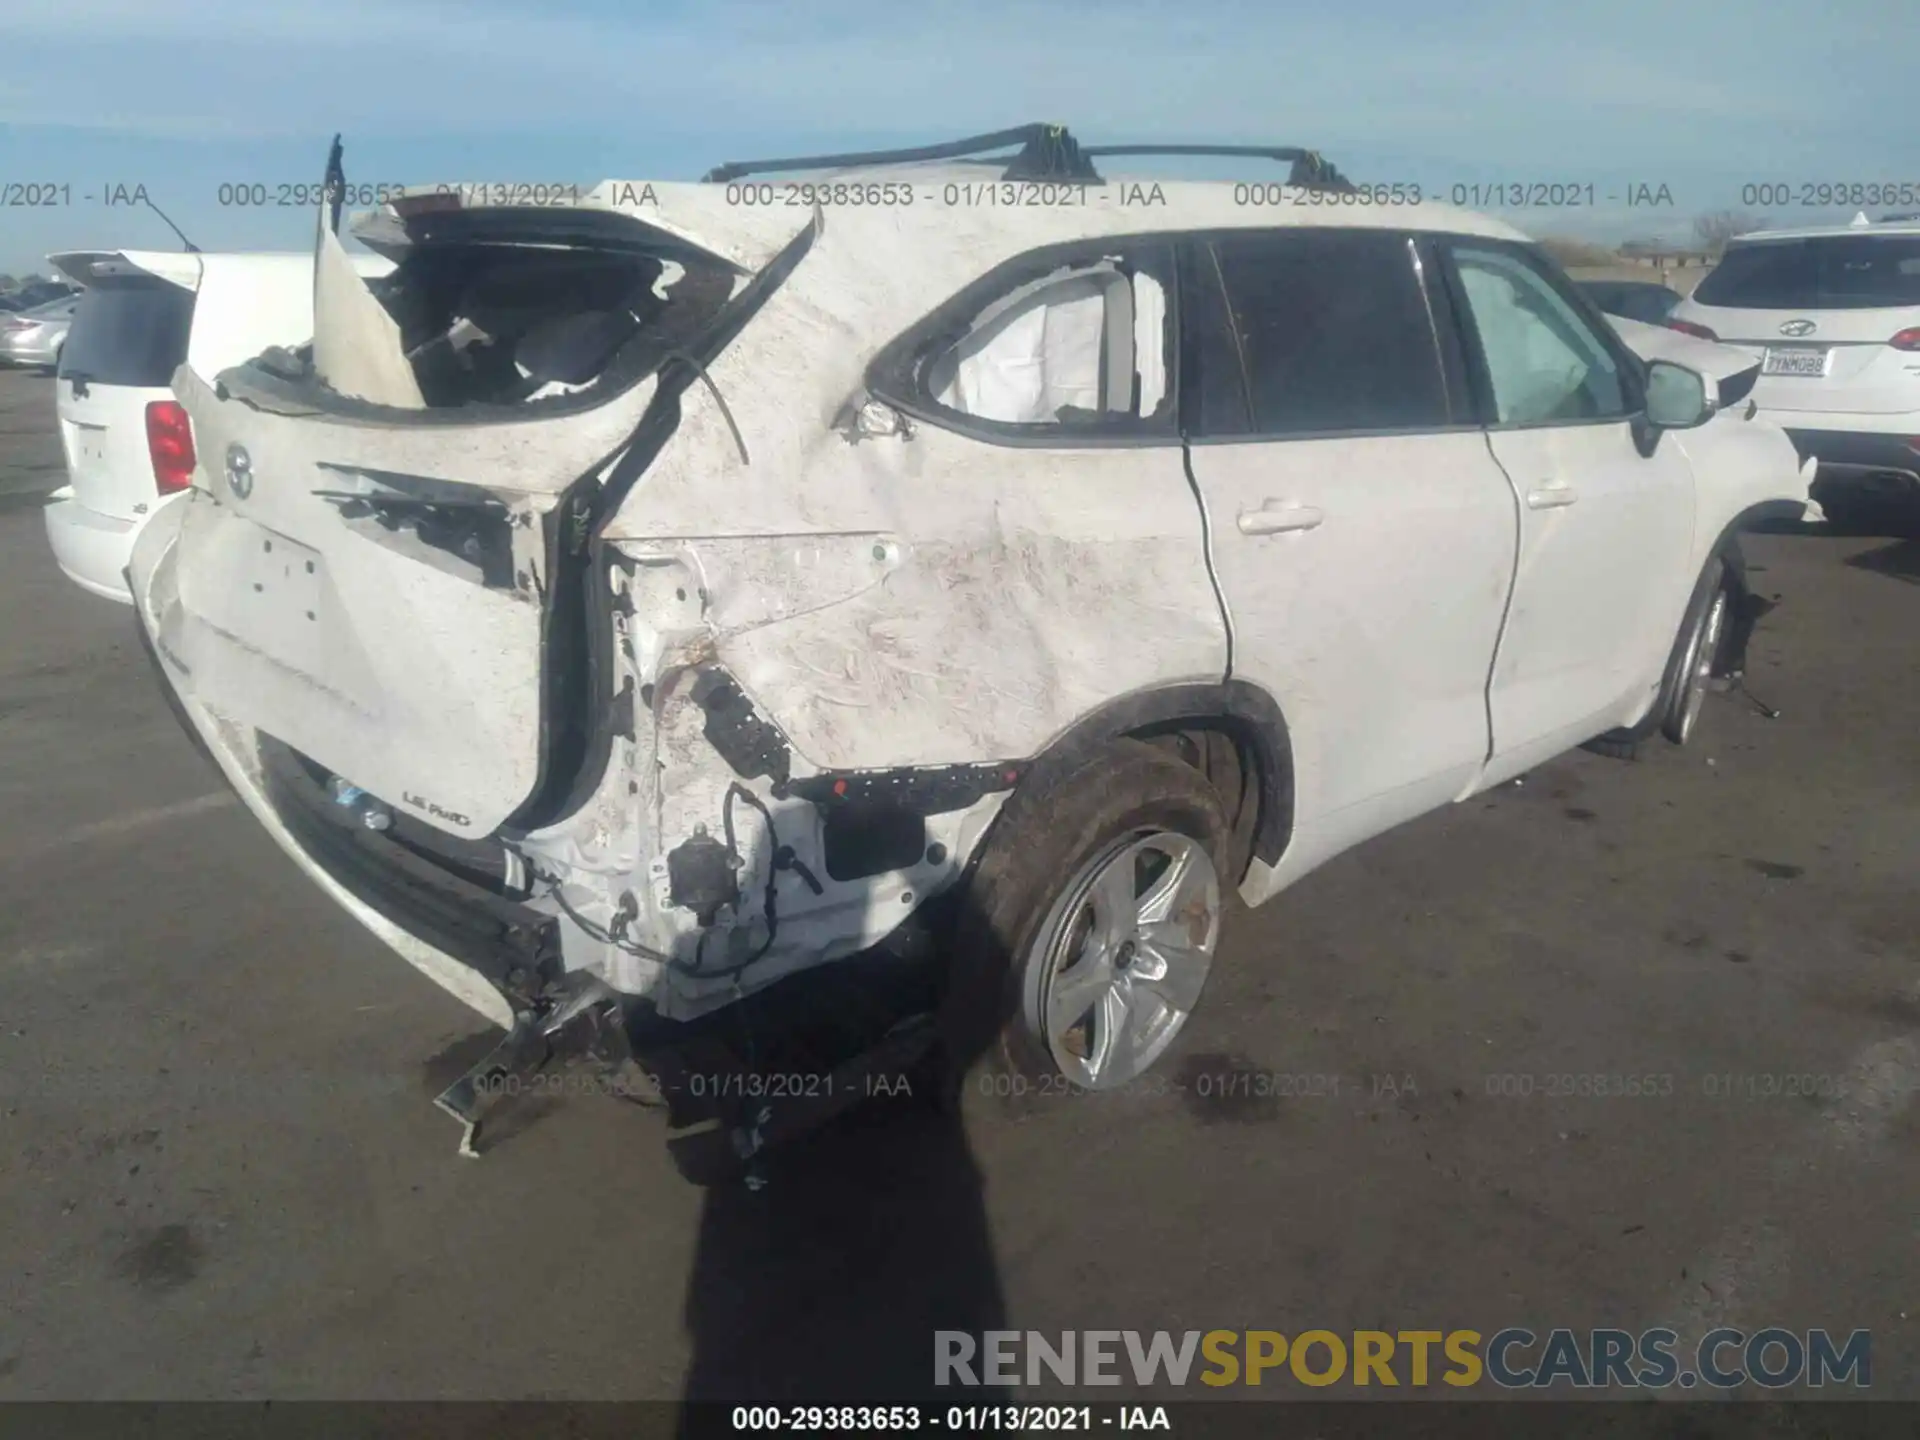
column 388, row 559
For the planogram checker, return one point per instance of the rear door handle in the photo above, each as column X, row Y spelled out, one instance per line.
column 1551, row 496
column 1272, row 519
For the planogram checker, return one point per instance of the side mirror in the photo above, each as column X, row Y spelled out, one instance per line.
column 1677, row 398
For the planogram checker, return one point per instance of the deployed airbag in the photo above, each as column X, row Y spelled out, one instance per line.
column 1027, row 362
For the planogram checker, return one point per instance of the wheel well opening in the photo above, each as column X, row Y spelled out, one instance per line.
column 1238, row 763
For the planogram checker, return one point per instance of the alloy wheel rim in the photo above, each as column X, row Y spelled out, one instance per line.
column 1124, row 955
column 1705, row 649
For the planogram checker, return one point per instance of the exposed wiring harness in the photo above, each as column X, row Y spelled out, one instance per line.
column 783, row 858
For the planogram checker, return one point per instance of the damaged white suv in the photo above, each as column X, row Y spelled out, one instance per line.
column 627, row 605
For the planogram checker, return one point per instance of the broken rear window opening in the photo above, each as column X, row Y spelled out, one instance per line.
column 1054, row 343
column 494, row 310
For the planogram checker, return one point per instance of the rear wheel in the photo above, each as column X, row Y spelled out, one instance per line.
column 1088, row 930
column 1121, row 959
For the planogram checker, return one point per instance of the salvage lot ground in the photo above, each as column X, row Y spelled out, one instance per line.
column 223, row 1177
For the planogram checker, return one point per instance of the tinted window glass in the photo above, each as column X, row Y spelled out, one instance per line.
column 1648, row 303
column 41, row 294
column 1837, row 272
column 129, row 330
column 1544, row 362
column 1333, row 330
column 1214, row 366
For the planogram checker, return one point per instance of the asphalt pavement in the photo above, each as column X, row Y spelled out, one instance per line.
column 222, row 1176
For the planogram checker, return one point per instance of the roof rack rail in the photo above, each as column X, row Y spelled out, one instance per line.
column 1310, row 168
column 1043, row 143
column 1047, row 152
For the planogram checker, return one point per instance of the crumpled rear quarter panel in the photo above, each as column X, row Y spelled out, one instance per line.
column 1013, row 589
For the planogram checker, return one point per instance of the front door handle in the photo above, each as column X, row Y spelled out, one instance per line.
column 1551, row 496
column 1272, row 519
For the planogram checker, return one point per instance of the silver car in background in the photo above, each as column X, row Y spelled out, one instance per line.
column 35, row 337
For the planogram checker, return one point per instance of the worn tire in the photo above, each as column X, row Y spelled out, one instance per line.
column 1235, row 780
column 1046, row 833
column 1708, row 593
column 1624, row 743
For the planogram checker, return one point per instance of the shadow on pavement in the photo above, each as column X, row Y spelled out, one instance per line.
column 1900, row 560
column 822, row 1273
column 828, row 1283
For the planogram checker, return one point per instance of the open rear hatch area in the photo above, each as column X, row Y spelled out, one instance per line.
column 388, row 604
column 388, row 560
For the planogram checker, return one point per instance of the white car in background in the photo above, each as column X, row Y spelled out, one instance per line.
column 627, row 606
column 128, row 443
column 1832, row 318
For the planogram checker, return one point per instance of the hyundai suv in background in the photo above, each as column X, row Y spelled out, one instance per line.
column 1833, row 315
column 128, row 443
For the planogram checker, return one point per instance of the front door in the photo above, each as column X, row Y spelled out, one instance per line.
column 1606, row 521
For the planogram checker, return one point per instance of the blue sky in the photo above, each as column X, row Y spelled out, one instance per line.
column 183, row 97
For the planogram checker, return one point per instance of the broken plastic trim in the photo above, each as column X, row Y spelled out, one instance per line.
column 577, row 1013
column 467, row 529
column 753, row 747
column 591, row 674
column 924, row 790
column 513, row 947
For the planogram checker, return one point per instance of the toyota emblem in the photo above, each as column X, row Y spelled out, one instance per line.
column 1798, row 327
column 239, row 471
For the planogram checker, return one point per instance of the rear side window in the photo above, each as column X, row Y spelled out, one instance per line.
column 129, row 330
column 1059, row 344
column 1311, row 331
column 1831, row 272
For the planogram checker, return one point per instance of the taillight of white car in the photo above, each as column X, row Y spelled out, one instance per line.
column 170, row 442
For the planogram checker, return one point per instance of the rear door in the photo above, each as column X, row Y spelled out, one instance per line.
column 1818, row 312
column 1362, row 534
column 1606, row 529
column 129, row 334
